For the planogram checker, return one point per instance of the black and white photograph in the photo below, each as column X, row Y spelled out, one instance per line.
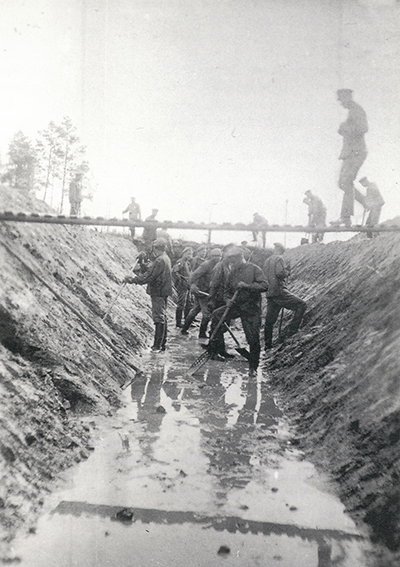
column 200, row 283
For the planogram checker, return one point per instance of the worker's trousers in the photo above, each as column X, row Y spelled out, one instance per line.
column 288, row 301
column 251, row 323
column 347, row 176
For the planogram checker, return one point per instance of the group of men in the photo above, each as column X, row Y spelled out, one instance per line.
column 353, row 155
column 224, row 286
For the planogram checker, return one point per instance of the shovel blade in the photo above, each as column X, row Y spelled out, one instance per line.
column 198, row 363
column 243, row 352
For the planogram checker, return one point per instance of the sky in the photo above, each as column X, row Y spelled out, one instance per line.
column 207, row 110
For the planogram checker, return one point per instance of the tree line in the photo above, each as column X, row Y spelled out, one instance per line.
column 46, row 165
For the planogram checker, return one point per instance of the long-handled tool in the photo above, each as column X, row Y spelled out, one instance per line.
column 121, row 287
column 203, row 358
column 241, row 350
column 280, row 324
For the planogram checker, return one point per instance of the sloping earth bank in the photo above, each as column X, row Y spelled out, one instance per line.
column 338, row 378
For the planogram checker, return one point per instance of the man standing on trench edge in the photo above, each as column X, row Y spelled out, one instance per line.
column 250, row 281
column 353, row 154
column 276, row 271
column 158, row 278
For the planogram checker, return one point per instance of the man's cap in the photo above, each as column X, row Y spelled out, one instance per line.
column 307, row 192
column 160, row 243
column 344, row 92
column 187, row 249
column 215, row 252
column 280, row 246
column 234, row 251
column 363, row 179
column 154, row 210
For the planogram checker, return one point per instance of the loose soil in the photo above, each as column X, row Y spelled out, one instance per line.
column 337, row 379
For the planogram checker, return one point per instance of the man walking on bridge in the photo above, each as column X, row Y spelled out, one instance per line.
column 353, row 153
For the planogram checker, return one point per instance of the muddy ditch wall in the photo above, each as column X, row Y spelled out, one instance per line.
column 339, row 378
column 53, row 368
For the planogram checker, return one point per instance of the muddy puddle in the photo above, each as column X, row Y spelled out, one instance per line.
column 194, row 471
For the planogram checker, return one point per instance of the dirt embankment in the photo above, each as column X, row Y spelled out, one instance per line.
column 338, row 377
column 53, row 366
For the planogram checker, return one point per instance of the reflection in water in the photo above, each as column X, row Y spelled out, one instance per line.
column 219, row 523
column 205, row 459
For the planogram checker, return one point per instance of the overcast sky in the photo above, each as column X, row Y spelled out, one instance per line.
column 204, row 108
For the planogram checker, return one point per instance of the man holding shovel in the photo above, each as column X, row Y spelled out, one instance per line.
column 249, row 280
column 159, row 286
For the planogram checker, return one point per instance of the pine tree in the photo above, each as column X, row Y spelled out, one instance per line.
column 20, row 169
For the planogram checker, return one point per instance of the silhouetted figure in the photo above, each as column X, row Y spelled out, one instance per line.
column 261, row 223
column 353, row 153
column 134, row 214
column 316, row 214
column 373, row 203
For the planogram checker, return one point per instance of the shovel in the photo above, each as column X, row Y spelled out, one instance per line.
column 121, row 287
column 241, row 350
column 205, row 357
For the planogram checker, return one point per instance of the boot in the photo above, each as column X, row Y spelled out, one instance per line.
column 158, row 337
column 188, row 321
column 178, row 316
column 164, row 336
column 268, row 330
column 203, row 329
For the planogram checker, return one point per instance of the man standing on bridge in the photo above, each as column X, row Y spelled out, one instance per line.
column 158, row 278
column 353, row 153
column 373, row 202
column 134, row 214
column 279, row 297
column 316, row 214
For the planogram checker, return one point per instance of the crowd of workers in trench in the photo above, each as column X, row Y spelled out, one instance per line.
column 226, row 284
column 220, row 285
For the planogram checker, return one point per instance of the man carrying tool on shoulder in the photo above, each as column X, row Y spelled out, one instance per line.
column 279, row 297
column 159, row 286
column 249, row 280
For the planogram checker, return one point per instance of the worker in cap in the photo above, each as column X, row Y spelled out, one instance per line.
column 158, row 278
column 150, row 231
column 353, row 154
column 276, row 271
column 316, row 214
column 249, row 281
column 180, row 277
column 199, row 256
column 200, row 280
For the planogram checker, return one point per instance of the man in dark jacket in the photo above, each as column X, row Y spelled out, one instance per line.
column 276, row 271
column 250, row 281
column 200, row 281
column 159, row 286
column 180, row 276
